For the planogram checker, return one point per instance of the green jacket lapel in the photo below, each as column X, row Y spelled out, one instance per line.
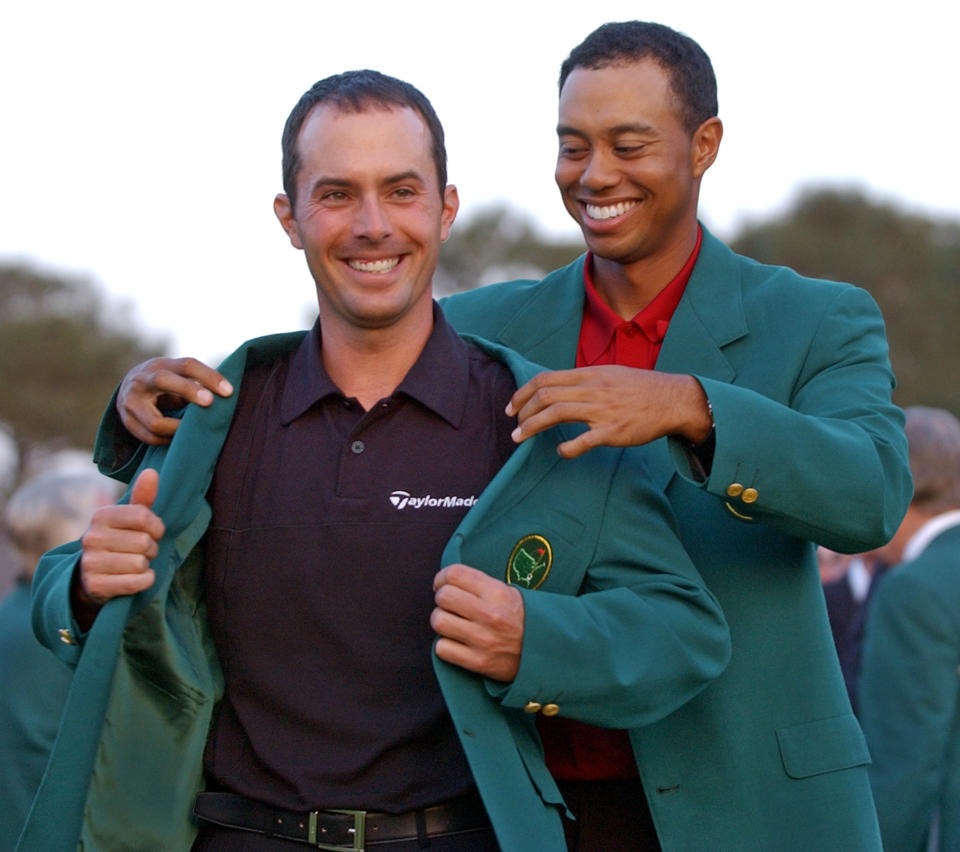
column 547, row 329
column 502, row 751
column 710, row 316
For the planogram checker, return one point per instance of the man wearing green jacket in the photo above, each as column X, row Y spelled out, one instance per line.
column 909, row 690
column 771, row 427
column 253, row 628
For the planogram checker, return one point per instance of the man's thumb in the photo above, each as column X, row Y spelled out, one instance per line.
column 145, row 488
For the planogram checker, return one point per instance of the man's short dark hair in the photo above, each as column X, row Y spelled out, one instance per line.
column 691, row 74
column 357, row 91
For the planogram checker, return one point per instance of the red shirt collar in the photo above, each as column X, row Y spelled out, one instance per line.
column 601, row 323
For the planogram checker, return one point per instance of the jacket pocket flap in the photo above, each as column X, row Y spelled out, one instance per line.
column 822, row 746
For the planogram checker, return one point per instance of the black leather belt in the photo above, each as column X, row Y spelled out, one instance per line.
column 341, row 830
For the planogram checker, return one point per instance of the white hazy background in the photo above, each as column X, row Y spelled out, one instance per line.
column 140, row 144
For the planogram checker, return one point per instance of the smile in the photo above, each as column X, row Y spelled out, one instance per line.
column 595, row 211
column 378, row 267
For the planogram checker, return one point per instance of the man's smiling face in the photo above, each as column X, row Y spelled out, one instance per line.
column 369, row 214
column 627, row 168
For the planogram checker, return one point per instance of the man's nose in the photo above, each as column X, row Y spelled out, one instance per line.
column 600, row 171
column 372, row 221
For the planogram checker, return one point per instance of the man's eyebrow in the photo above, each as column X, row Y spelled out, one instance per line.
column 323, row 180
column 616, row 130
column 410, row 174
column 630, row 128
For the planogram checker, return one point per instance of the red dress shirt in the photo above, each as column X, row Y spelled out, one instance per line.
column 574, row 750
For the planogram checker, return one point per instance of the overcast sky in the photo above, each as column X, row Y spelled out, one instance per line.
column 141, row 150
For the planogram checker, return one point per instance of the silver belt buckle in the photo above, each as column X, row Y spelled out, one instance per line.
column 358, row 831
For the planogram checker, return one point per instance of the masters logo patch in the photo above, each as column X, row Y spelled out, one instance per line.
column 530, row 562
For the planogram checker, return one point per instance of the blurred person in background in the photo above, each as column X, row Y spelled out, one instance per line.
column 910, row 674
column 48, row 510
column 849, row 581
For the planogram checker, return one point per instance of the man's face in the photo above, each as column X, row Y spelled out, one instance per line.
column 627, row 169
column 369, row 214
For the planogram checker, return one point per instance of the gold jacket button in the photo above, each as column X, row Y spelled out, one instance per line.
column 750, row 495
column 531, row 707
column 735, row 489
column 550, row 709
column 66, row 636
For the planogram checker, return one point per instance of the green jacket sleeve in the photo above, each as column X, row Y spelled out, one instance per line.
column 643, row 634
column 829, row 464
column 53, row 621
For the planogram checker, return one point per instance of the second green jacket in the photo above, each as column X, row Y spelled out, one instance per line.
column 809, row 448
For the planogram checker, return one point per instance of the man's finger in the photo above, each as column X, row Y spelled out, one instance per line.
column 531, row 423
column 458, row 574
column 579, row 445
column 144, row 490
column 102, row 544
column 203, row 375
column 197, row 385
column 99, row 588
column 551, row 378
column 153, row 428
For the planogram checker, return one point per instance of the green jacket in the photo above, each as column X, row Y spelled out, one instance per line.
column 910, row 697
column 620, row 633
column 35, row 685
column 808, row 448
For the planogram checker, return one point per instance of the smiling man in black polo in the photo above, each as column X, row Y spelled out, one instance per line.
column 271, row 597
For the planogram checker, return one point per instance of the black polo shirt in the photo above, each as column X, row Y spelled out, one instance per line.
column 328, row 526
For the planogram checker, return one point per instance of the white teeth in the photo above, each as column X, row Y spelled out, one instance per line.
column 608, row 212
column 377, row 266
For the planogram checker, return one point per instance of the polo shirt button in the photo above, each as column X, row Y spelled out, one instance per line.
column 735, row 489
column 749, row 495
column 550, row 709
column 531, row 707
column 357, row 447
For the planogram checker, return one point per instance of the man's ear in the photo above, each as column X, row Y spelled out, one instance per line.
column 706, row 144
column 284, row 210
column 451, row 204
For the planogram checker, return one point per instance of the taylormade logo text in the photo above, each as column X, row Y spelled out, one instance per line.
column 404, row 500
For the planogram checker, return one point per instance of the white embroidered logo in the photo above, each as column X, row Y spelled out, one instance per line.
column 404, row 500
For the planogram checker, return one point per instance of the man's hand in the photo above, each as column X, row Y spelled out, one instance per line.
column 479, row 620
column 623, row 406
column 118, row 547
column 165, row 384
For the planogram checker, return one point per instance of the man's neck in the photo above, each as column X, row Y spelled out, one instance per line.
column 629, row 287
column 369, row 364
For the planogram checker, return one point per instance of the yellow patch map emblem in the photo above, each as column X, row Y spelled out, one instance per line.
column 530, row 562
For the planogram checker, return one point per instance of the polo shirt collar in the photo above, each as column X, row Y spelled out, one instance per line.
column 440, row 377
column 602, row 322
column 438, row 380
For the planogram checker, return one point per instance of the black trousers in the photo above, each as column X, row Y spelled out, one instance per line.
column 611, row 816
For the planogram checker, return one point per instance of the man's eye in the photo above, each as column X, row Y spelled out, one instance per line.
column 334, row 195
column 628, row 150
column 404, row 192
column 572, row 151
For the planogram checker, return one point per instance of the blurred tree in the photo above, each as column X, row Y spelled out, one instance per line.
column 909, row 263
column 496, row 244
column 62, row 352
